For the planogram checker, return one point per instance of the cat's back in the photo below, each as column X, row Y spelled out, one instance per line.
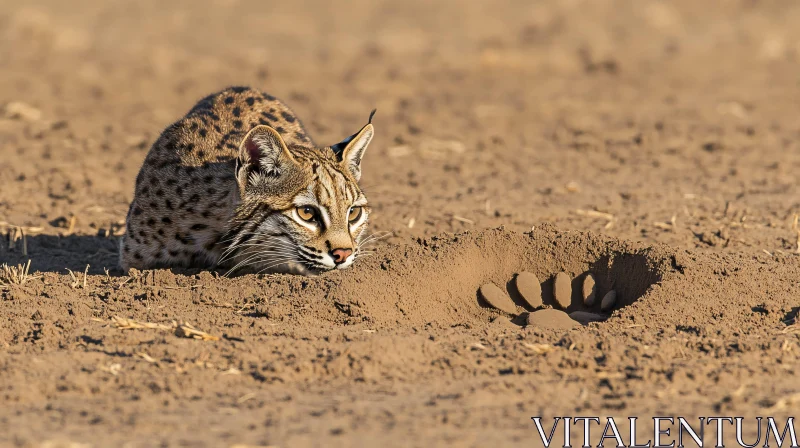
column 213, row 129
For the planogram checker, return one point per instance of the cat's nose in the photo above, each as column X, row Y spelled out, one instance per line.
column 340, row 255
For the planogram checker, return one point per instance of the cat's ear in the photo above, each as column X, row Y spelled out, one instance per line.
column 351, row 150
column 263, row 155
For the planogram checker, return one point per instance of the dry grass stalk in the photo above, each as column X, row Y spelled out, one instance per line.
column 245, row 307
column 245, row 397
column 147, row 357
column 601, row 215
column 187, row 330
column 595, row 214
column 798, row 243
column 539, row 349
column 786, row 402
column 71, row 225
column 184, row 287
column 15, row 233
column 219, row 305
column 792, row 329
column 464, row 220
column 131, row 324
column 75, row 282
column 117, row 228
column 27, row 229
column 796, row 229
column 610, row 375
column 113, row 369
column 16, row 275
column 184, row 329
column 124, row 281
column 667, row 225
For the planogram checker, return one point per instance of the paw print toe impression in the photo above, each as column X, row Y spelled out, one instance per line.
column 562, row 302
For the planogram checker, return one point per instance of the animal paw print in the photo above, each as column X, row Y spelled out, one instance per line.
column 528, row 288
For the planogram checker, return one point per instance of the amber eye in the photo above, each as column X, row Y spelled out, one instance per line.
column 307, row 213
column 355, row 214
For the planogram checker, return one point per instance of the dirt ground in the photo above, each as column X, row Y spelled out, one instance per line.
column 651, row 143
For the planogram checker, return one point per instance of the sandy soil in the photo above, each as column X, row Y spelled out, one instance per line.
column 653, row 144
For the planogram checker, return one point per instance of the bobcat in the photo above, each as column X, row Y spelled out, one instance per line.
column 238, row 184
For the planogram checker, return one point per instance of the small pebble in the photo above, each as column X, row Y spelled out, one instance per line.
column 609, row 300
column 585, row 317
column 550, row 318
column 497, row 298
column 589, row 290
column 529, row 289
column 562, row 290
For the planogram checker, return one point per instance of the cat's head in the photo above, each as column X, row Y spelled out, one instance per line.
column 302, row 209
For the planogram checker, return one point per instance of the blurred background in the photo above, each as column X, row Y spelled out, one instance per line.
column 670, row 121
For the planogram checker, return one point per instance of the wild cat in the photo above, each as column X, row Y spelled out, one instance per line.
column 239, row 184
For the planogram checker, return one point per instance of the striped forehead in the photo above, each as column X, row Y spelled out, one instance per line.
column 332, row 187
column 329, row 188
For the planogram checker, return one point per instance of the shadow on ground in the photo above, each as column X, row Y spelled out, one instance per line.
column 53, row 253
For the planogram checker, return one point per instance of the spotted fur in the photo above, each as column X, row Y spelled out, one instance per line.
column 232, row 185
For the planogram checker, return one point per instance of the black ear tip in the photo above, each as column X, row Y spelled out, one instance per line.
column 371, row 114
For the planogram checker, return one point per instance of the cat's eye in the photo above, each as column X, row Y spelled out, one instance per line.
column 354, row 214
column 307, row 213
